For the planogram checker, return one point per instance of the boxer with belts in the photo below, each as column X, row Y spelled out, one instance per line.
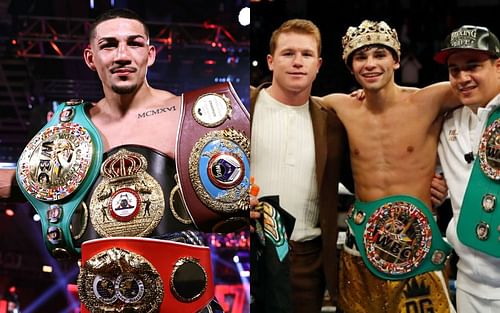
column 136, row 188
column 393, row 253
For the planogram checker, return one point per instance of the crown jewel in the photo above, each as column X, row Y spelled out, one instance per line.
column 369, row 33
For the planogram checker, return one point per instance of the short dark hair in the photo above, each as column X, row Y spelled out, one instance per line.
column 117, row 13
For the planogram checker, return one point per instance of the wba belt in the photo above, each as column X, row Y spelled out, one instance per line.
column 131, row 197
column 213, row 158
column 397, row 237
column 55, row 171
column 144, row 275
column 479, row 221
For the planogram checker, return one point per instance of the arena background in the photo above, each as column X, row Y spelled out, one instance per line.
column 199, row 43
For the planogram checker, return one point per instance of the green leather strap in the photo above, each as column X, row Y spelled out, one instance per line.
column 397, row 237
column 479, row 217
column 57, row 203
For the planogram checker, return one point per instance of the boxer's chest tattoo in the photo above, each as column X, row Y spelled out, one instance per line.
column 157, row 111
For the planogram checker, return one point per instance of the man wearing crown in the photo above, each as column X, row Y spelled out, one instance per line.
column 128, row 174
column 393, row 243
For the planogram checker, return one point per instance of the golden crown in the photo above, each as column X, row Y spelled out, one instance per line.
column 370, row 33
column 123, row 164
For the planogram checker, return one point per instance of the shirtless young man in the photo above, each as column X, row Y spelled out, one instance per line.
column 123, row 178
column 393, row 136
column 120, row 53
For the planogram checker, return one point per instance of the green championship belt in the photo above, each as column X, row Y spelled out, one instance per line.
column 479, row 221
column 55, row 171
column 397, row 237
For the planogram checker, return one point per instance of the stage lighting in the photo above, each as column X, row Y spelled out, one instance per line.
column 244, row 16
column 47, row 269
column 36, row 217
column 10, row 212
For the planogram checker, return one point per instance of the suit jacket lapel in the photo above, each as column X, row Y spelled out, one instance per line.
column 319, row 120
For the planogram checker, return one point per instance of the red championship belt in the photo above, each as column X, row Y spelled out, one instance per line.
column 213, row 159
column 124, row 274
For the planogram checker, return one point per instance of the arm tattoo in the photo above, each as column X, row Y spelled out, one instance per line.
column 155, row 112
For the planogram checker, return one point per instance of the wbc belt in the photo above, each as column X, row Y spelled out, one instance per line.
column 55, row 171
column 397, row 237
column 144, row 275
column 479, row 221
column 213, row 158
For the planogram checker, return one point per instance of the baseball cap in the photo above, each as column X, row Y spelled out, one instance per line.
column 469, row 37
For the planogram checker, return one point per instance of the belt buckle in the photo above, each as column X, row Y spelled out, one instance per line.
column 397, row 238
column 123, row 274
column 488, row 151
column 128, row 201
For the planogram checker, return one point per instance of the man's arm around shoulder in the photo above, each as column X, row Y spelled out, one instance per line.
column 335, row 101
column 440, row 94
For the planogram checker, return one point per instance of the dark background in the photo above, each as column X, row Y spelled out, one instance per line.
column 41, row 45
column 427, row 23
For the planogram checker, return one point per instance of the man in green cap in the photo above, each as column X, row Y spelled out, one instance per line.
column 469, row 152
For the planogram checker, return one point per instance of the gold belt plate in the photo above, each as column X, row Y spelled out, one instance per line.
column 489, row 151
column 56, row 161
column 128, row 201
column 117, row 280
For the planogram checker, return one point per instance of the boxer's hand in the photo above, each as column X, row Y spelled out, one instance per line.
column 439, row 190
column 359, row 94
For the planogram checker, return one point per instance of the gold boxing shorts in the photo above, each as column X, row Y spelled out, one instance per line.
column 362, row 292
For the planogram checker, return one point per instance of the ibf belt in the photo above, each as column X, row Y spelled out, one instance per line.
column 397, row 237
column 128, row 201
column 479, row 221
column 144, row 275
column 55, row 171
column 213, row 158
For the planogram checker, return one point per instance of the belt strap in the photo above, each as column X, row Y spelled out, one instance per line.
column 479, row 220
column 55, row 171
column 144, row 275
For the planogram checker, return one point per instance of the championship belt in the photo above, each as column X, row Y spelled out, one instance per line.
column 213, row 159
column 55, row 171
column 479, row 221
column 144, row 275
column 397, row 237
column 128, row 201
